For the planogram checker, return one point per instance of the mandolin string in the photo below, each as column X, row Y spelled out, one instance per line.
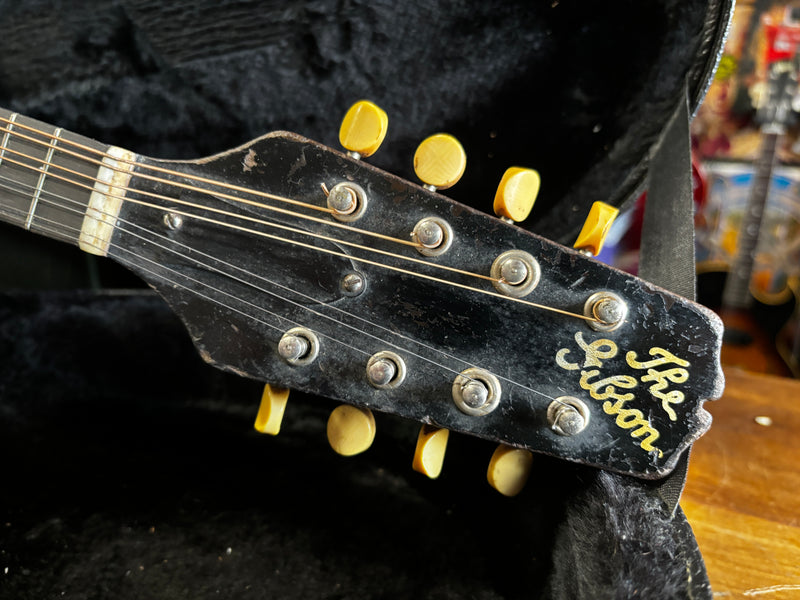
column 282, row 298
column 301, row 244
column 66, row 228
column 69, row 230
column 250, row 284
column 286, row 299
column 222, row 184
column 203, row 191
column 238, row 215
column 256, row 192
column 243, row 217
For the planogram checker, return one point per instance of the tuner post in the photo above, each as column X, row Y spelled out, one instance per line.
column 433, row 236
column 299, row 346
column 608, row 310
column 567, row 416
column 476, row 392
column 515, row 273
column 386, row 370
column 347, row 201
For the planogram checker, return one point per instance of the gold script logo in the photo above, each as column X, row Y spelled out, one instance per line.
column 611, row 388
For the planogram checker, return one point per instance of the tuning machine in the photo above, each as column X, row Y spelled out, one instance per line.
column 347, row 201
column 363, row 129
column 440, row 161
column 271, row 409
column 516, row 194
column 430, row 450
column 351, row 429
column 509, row 469
column 595, row 229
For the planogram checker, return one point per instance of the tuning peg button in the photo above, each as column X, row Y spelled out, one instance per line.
column 440, row 161
column 363, row 129
column 595, row 228
column 509, row 469
column 351, row 429
column 516, row 193
column 270, row 412
column 431, row 447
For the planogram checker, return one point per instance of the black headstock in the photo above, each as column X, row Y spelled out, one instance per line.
column 242, row 276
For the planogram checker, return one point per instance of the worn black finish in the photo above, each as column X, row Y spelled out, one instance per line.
column 244, row 291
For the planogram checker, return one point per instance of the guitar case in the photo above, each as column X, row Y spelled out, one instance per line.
column 131, row 469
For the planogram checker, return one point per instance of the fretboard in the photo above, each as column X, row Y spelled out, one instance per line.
column 46, row 182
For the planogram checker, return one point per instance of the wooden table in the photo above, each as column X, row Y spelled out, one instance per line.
column 742, row 496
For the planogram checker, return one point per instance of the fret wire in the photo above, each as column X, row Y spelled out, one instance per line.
column 45, row 167
column 257, row 307
column 11, row 120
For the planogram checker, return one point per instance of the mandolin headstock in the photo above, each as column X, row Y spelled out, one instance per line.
column 308, row 268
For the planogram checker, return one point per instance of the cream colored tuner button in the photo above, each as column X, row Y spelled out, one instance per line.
column 351, row 430
column 363, row 129
column 516, row 193
column 509, row 469
column 595, row 228
column 270, row 412
column 431, row 446
column 440, row 161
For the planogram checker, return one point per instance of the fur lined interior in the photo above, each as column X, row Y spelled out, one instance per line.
column 578, row 90
column 131, row 468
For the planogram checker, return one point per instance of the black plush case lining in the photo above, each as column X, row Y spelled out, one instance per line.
column 131, row 470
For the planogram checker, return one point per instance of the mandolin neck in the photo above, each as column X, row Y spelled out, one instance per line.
column 57, row 183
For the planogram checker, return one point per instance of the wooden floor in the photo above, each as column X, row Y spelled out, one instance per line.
column 742, row 495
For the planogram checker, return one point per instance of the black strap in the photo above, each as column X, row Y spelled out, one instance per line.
column 667, row 248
